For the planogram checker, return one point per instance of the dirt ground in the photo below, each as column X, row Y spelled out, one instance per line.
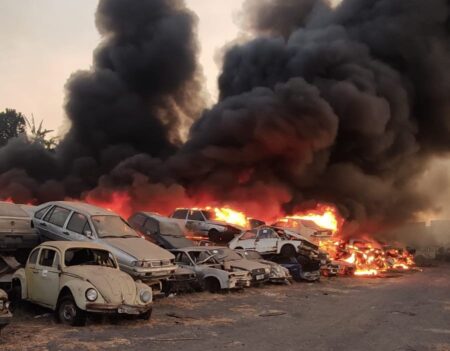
column 405, row 312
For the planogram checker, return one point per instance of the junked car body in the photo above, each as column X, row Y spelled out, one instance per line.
column 278, row 273
column 162, row 231
column 213, row 275
column 267, row 241
column 300, row 269
column 304, row 227
column 73, row 278
column 202, row 222
column 63, row 220
column 5, row 313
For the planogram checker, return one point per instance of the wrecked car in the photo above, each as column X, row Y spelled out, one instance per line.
column 17, row 239
column 267, row 241
column 278, row 273
column 74, row 278
column 202, row 222
column 78, row 221
column 299, row 267
column 213, row 275
column 162, row 231
column 5, row 313
column 304, row 227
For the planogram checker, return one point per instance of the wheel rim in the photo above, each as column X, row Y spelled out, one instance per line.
column 68, row 311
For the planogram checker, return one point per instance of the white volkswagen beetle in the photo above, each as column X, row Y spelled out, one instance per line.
column 72, row 278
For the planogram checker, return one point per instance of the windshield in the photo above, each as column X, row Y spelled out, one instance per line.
column 112, row 227
column 225, row 255
column 170, row 228
column 89, row 257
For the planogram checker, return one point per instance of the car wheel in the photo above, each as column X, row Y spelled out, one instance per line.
column 146, row 315
column 212, row 285
column 69, row 313
column 214, row 235
column 288, row 251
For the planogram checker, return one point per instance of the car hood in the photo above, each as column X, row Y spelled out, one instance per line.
column 244, row 264
column 139, row 248
column 114, row 285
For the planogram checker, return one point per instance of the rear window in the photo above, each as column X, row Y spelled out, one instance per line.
column 180, row 214
column 39, row 214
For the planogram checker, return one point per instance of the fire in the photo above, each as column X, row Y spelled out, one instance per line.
column 118, row 202
column 231, row 216
column 324, row 216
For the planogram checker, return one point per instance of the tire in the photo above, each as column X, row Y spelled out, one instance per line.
column 212, row 285
column 15, row 295
column 214, row 235
column 68, row 312
column 146, row 315
column 288, row 251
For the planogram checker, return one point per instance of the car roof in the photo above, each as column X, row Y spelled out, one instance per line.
column 64, row 245
column 8, row 209
column 201, row 248
column 157, row 216
column 81, row 207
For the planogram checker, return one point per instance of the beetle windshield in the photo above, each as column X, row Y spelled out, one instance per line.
column 112, row 227
column 90, row 257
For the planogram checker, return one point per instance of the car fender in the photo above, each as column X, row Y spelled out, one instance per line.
column 282, row 243
column 219, row 274
column 20, row 276
column 78, row 289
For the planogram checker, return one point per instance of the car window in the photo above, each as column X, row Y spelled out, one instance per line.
column 180, row 214
column 56, row 260
column 33, row 257
column 138, row 220
column 77, row 223
column 58, row 216
column 196, row 216
column 183, row 258
column 48, row 214
column 88, row 256
column 251, row 234
column 47, row 257
column 151, row 226
column 267, row 234
column 39, row 214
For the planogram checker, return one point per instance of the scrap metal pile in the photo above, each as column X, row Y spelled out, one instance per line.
column 51, row 254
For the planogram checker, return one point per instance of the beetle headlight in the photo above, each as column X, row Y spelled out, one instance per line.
column 91, row 294
column 145, row 295
column 2, row 305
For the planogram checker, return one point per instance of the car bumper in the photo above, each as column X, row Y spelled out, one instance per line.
column 152, row 273
column 239, row 283
column 117, row 308
column 5, row 319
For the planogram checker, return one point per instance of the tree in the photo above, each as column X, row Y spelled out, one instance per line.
column 37, row 134
column 12, row 124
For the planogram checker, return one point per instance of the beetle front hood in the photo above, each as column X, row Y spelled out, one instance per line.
column 114, row 285
column 140, row 249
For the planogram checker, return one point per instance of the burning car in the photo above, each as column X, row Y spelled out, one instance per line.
column 5, row 313
column 267, row 241
column 73, row 278
column 77, row 221
column 208, row 224
column 278, row 273
column 304, row 227
column 213, row 276
column 160, row 230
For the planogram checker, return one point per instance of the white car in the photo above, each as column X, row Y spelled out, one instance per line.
column 267, row 240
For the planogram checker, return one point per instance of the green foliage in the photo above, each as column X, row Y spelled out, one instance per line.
column 37, row 134
column 12, row 124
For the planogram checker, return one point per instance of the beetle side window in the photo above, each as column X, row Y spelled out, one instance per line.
column 196, row 216
column 180, row 214
column 77, row 223
column 33, row 257
column 59, row 216
column 39, row 214
column 47, row 257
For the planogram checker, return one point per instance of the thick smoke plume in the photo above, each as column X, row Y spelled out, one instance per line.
column 344, row 105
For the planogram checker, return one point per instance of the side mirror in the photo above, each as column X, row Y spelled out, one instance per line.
column 88, row 233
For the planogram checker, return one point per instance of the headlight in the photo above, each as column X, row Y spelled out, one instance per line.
column 267, row 270
column 142, row 264
column 91, row 294
column 145, row 295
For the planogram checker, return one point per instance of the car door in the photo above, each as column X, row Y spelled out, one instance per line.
column 40, row 222
column 248, row 240
column 266, row 240
column 78, row 228
column 53, row 223
column 196, row 222
column 180, row 217
column 46, row 281
column 31, row 272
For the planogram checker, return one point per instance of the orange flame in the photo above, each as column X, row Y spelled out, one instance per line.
column 231, row 216
column 324, row 216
